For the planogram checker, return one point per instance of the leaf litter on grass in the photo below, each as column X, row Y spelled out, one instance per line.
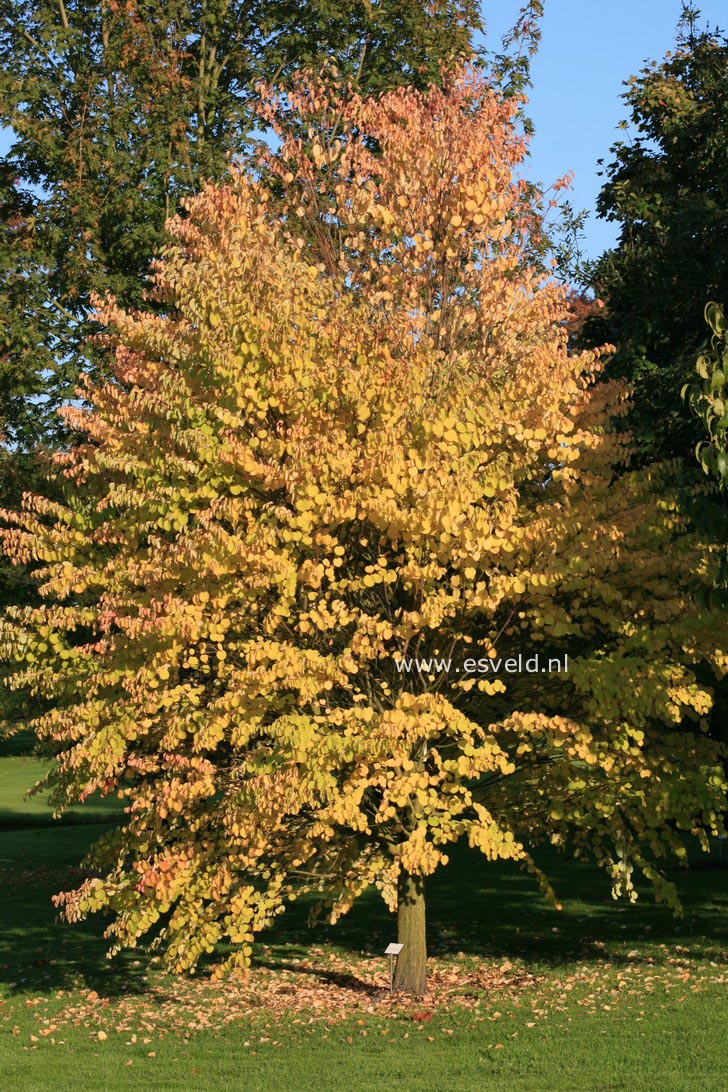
column 328, row 988
column 308, row 991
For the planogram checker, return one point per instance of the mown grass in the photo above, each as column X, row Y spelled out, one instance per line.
column 18, row 774
column 621, row 997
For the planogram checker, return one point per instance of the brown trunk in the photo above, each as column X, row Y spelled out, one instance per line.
column 410, row 973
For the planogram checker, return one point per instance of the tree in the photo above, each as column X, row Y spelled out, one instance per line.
column 353, row 447
column 667, row 188
column 707, row 400
column 21, row 384
column 120, row 109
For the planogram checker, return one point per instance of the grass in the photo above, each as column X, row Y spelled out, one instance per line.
column 18, row 773
column 619, row 997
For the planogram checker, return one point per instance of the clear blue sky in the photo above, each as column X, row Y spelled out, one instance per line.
column 588, row 49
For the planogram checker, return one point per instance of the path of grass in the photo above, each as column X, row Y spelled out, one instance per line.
column 620, row 997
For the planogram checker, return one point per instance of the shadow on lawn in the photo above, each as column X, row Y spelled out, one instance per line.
column 476, row 908
column 496, row 911
column 38, row 952
column 330, row 978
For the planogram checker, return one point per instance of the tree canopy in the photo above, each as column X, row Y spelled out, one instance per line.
column 355, row 434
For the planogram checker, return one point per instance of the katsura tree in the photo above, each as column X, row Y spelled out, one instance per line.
column 352, row 434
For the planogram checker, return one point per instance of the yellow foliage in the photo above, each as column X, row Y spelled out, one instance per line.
column 356, row 435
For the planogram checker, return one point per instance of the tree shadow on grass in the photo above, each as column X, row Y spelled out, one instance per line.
column 341, row 979
column 491, row 911
column 39, row 952
column 496, row 911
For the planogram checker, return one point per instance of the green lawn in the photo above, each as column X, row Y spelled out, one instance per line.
column 618, row 997
column 18, row 773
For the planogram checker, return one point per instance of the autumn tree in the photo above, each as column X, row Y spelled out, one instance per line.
column 118, row 109
column 354, row 436
column 666, row 189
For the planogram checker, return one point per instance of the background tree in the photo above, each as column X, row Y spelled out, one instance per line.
column 708, row 399
column 356, row 434
column 118, row 110
column 667, row 188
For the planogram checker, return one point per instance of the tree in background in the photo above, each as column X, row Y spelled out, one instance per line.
column 118, row 110
column 708, row 400
column 356, row 435
column 667, row 188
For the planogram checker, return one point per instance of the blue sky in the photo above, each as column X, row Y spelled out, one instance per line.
column 588, row 49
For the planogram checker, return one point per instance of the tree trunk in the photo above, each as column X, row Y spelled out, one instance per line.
column 410, row 973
